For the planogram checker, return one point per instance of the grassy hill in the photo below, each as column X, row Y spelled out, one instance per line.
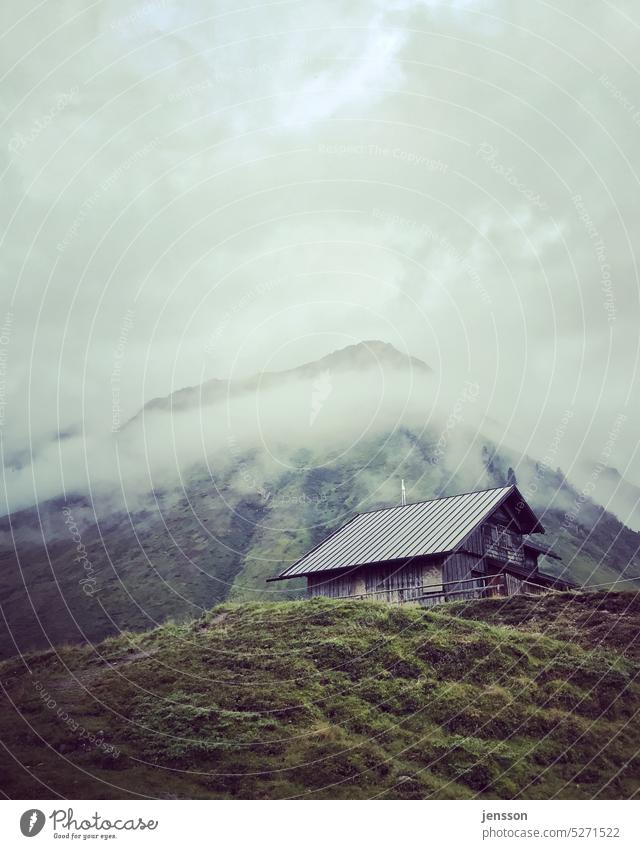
column 522, row 697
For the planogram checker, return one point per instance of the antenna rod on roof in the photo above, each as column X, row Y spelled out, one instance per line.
column 403, row 494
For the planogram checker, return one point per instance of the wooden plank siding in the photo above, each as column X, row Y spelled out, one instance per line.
column 404, row 582
column 340, row 586
column 457, row 572
column 473, row 544
column 494, row 541
column 399, row 583
column 503, row 544
column 515, row 585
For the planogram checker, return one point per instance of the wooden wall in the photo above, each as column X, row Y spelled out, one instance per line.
column 403, row 583
column 457, row 574
column 474, row 543
column 382, row 582
column 515, row 585
column 340, row 586
column 506, row 546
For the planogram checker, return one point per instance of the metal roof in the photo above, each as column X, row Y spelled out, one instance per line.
column 437, row 526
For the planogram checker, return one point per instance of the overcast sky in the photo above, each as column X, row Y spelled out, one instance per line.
column 195, row 190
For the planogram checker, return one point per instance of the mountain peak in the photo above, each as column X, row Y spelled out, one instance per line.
column 361, row 356
column 371, row 352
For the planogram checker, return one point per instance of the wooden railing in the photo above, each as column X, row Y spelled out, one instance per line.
column 482, row 586
column 427, row 595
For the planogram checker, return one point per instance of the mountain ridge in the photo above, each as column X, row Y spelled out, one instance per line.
column 360, row 356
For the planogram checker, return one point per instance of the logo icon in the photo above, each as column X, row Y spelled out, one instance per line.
column 32, row 822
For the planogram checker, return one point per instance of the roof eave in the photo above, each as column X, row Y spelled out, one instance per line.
column 395, row 560
column 513, row 490
column 549, row 553
column 541, row 549
column 282, row 575
column 537, row 527
column 556, row 580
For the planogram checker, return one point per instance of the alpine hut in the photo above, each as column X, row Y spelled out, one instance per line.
column 463, row 546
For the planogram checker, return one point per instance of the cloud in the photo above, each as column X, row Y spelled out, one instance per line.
column 257, row 188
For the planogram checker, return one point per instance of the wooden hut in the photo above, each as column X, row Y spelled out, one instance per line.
column 463, row 546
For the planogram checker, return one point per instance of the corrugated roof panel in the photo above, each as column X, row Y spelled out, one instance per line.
column 427, row 527
column 451, row 519
column 374, row 540
column 458, row 523
column 345, row 545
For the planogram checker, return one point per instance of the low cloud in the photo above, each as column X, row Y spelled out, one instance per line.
column 256, row 189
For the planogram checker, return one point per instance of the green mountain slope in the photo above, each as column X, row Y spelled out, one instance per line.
column 526, row 697
column 186, row 549
column 230, row 509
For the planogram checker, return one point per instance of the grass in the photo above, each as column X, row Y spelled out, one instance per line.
column 523, row 697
